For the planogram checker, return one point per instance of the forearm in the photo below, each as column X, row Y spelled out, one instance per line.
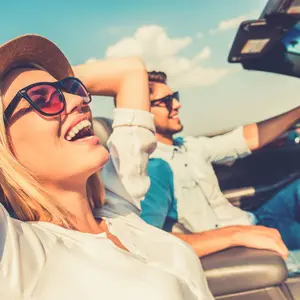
column 126, row 79
column 211, row 241
column 262, row 133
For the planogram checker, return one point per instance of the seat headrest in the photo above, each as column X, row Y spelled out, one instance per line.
column 102, row 129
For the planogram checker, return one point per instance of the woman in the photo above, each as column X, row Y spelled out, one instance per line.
column 59, row 249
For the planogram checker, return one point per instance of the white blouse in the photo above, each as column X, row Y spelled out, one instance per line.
column 43, row 261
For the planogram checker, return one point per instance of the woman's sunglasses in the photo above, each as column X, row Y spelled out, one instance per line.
column 167, row 101
column 47, row 97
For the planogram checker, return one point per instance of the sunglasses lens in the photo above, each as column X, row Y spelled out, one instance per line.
column 75, row 87
column 169, row 103
column 46, row 98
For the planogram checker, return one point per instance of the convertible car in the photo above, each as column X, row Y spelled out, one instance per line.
column 269, row 44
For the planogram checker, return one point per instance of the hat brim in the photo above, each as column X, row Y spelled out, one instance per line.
column 35, row 50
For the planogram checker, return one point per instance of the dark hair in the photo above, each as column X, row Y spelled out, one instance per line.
column 157, row 76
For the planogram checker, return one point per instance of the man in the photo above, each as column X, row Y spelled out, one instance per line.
column 185, row 196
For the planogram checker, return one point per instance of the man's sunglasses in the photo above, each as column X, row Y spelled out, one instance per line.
column 167, row 101
column 47, row 97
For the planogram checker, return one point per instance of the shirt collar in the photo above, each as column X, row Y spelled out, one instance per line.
column 170, row 150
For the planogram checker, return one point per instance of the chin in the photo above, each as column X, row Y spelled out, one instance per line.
column 177, row 129
column 94, row 161
column 100, row 158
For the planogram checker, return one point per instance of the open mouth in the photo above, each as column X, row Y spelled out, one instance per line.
column 176, row 117
column 81, row 131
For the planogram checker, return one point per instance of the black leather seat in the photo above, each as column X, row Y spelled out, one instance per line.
column 242, row 273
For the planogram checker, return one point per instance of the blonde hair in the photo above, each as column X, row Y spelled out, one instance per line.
column 22, row 191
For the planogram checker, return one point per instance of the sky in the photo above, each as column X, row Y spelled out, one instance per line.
column 189, row 40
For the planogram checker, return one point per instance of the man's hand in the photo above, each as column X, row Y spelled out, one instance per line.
column 259, row 237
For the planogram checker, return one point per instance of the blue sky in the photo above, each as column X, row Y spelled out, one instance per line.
column 190, row 39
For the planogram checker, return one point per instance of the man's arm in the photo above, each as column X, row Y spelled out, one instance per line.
column 257, row 237
column 158, row 200
column 240, row 142
column 262, row 133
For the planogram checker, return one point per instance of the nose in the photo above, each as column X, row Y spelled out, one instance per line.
column 73, row 103
column 176, row 104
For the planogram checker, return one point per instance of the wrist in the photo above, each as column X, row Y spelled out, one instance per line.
column 237, row 236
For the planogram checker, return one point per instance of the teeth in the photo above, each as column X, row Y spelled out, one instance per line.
column 77, row 128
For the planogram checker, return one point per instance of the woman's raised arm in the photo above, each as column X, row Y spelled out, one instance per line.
column 124, row 78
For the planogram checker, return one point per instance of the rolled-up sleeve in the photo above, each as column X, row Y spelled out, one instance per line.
column 226, row 147
column 130, row 145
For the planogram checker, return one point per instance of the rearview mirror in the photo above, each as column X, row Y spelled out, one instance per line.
column 272, row 43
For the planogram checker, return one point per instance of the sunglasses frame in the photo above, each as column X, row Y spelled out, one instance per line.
column 22, row 94
column 167, row 99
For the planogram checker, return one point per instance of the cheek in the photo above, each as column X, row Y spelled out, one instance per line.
column 38, row 148
column 161, row 116
column 32, row 142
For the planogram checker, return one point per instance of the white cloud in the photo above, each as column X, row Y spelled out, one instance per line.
column 228, row 24
column 91, row 60
column 150, row 41
column 199, row 35
column 125, row 47
column 162, row 52
column 233, row 23
column 204, row 54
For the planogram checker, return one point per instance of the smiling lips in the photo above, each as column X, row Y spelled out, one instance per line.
column 80, row 130
column 175, row 116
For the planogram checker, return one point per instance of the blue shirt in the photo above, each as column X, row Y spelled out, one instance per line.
column 184, row 188
column 160, row 206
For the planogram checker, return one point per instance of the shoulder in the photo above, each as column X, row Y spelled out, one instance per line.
column 159, row 168
column 21, row 248
column 159, row 163
column 189, row 140
column 26, row 239
column 198, row 143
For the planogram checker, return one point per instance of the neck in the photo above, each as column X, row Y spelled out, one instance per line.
column 164, row 138
column 73, row 198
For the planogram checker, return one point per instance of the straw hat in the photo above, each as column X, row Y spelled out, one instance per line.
column 34, row 50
